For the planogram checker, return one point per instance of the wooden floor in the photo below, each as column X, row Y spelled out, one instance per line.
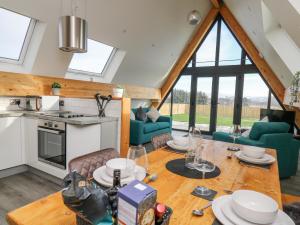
column 21, row 189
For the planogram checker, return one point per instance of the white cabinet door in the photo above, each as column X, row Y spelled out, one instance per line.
column 109, row 135
column 10, row 142
column 82, row 140
column 30, row 140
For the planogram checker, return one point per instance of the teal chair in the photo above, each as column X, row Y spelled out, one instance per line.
column 271, row 135
column 142, row 132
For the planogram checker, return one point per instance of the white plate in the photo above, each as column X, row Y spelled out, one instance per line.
column 177, row 147
column 227, row 216
column 140, row 174
column 267, row 159
column 216, row 208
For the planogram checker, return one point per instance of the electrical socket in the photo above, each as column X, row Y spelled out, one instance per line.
column 15, row 101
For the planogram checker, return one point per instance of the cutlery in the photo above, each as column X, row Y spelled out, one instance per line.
column 228, row 191
column 200, row 212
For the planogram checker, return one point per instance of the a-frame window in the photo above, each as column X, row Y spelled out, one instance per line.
column 220, row 86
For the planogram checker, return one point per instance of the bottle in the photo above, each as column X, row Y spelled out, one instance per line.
column 117, row 179
column 112, row 194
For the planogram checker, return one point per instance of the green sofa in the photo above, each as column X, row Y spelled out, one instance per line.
column 142, row 132
column 271, row 135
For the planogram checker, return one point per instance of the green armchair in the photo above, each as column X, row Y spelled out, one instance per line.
column 142, row 132
column 271, row 135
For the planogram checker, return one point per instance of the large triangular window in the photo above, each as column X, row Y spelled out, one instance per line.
column 220, row 86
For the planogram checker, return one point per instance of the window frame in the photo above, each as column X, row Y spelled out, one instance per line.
column 26, row 41
column 220, row 71
column 92, row 74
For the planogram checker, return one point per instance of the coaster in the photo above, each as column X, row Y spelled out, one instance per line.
column 206, row 197
column 216, row 222
column 177, row 166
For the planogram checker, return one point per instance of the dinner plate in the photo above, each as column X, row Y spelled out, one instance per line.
column 177, row 147
column 267, row 159
column 225, row 214
column 98, row 175
column 216, row 208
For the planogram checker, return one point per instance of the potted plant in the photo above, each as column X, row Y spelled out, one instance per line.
column 118, row 91
column 56, row 88
column 294, row 89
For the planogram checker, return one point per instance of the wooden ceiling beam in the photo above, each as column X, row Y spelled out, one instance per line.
column 263, row 67
column 216, row 3
column 188, row 52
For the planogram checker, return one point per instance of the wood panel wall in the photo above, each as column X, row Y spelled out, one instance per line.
column 13, row 84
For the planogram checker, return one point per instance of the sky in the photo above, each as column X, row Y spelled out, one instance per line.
column 254, row 86
column 13, row 29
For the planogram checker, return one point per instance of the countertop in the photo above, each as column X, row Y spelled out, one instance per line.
column 82, row 121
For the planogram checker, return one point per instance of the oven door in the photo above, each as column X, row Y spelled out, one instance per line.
column 52, row 147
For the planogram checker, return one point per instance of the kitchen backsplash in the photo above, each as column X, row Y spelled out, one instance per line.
column 5, row 103
column 76, row 105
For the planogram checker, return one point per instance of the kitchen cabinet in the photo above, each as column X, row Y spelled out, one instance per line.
column 109, row 135
column 30, row 140
column 11, row 142
column 82, row 140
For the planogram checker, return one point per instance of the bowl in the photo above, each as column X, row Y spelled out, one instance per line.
column 253, row 152
column 126, row 166
column 254, row 207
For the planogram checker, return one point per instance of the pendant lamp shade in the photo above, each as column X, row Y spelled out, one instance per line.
column 72, row 34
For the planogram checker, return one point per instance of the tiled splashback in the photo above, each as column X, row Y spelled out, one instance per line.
column 77, row 105
column 5, row 103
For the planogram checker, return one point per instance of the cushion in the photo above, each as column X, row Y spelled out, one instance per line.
column 260, row 128
column 163, row 125
column 153, row 115
column 140, row 115
column 150, row 127
column 132, row 115
column 247, row 132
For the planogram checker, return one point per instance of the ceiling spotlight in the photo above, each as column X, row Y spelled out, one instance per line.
column 194, row 17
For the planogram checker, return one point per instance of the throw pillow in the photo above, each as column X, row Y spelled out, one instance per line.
column 153, row 115
column 140, row 115
column 247, row 132
column 132, row 116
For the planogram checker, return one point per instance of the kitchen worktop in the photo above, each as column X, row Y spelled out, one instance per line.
column 75, row 121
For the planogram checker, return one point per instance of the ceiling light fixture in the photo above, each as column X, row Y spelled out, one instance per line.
column 194, row 17
column 72, row 31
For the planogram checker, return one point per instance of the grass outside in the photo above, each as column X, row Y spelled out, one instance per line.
column 221, row 121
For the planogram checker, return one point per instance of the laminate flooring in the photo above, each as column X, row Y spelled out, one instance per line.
column 21, row 189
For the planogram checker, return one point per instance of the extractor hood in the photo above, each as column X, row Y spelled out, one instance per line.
column 72, row 34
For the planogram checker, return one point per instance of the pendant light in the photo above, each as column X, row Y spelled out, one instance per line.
column 194, row 17
column 73, row 31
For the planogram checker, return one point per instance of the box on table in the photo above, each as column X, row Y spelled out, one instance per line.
column 136, row 203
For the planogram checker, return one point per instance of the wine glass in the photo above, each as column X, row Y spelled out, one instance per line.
column 194, row 141
column 203, row 162
column 235, row 134
column 139, row 155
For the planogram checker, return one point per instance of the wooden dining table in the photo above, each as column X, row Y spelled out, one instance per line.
column 173, row 190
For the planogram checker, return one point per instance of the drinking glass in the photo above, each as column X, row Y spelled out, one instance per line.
column 204, row 162
column 235, row 134
column 139, row 155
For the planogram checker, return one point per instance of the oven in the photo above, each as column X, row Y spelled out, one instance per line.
column 52, row 143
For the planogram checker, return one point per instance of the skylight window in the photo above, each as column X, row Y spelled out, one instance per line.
column 95, row 61
column 16, row 31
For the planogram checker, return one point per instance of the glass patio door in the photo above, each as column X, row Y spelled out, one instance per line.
column 225, row 103
column 203, row 103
